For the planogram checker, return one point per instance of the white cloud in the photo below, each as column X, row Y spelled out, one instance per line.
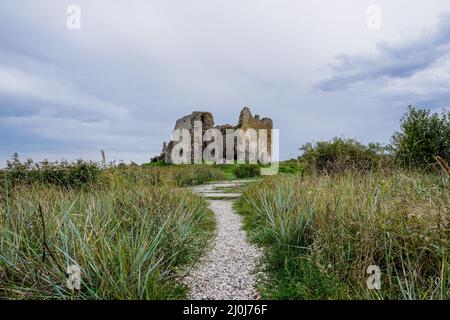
column 136, row 66
column 57, row 93
column 391, row 61
column 430, row 84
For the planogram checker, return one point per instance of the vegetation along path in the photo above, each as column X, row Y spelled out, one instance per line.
column 227, row 270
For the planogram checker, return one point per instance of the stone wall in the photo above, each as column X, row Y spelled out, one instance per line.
column 246, row 121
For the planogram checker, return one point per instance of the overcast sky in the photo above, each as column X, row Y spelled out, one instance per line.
column 120, row 82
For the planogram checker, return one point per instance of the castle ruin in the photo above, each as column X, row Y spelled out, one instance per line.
column 246, row 121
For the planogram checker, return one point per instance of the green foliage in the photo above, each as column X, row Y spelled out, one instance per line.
column 291, row 167
column 176, row 176
column 339, row 155
column 62, row 173
column 129, row 228
column 160, row 163
column 192, row 175
column 321, row 232
column 228, row 170
column 131, row 239
column 295, row 276
column 422, row 136
column 236, row 171
column 246, row 171
column 83, row 174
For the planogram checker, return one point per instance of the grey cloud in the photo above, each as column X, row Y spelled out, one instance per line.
column 391, row 60
column 136, row 66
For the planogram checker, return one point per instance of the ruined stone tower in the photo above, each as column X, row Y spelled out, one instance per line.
column 246, row 121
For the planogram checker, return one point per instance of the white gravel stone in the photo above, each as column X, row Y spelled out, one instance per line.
column 227, row 271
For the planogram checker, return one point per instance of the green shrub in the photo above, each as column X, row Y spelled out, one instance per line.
column 175, row 175
column 422, row 136
column 291, row 167
column 339, row 155
column 246, row 171
column 321, row 232
column 63, row 173
column 83, row 174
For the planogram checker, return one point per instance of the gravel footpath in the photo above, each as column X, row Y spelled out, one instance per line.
column 225, row 272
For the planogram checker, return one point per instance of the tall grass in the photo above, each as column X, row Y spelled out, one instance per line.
column 82, row 174
column 131, row 238
column 247, row 171
column 78, row 174
column 322, row 232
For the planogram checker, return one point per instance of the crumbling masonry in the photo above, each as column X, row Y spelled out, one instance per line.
column 246, row 121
